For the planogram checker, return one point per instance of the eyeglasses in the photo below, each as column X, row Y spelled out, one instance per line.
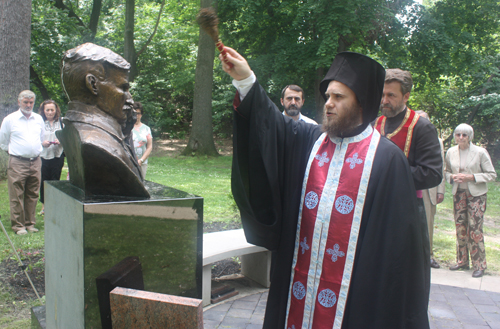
column 461, row 135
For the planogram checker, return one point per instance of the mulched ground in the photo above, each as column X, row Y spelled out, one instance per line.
column 13, row 278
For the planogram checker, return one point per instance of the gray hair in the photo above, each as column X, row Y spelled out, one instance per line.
column 403, row 77
column 423, row 114
column 26, row 94
column 464, row 128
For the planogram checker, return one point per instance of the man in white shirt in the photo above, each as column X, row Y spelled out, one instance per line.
column 21, row 136
column 292, row 99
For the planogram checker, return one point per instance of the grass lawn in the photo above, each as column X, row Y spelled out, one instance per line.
column 209, row 178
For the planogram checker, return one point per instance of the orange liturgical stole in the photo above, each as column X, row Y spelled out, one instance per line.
column 402, row 136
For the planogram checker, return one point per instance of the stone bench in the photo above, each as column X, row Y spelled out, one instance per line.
column 255, row 261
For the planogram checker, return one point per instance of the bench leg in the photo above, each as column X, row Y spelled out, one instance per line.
column 206, row 284
column 257, row 267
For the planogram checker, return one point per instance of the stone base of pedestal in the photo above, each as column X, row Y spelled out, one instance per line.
column 132, row 308
column 85, row 238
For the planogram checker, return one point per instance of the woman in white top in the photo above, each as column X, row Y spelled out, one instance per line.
column 469, row 169
column 143, row 140
column 52, row 154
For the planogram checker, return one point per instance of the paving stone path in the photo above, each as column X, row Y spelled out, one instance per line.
column 449, row 307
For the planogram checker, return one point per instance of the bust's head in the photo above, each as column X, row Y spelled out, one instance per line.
column 95, row 75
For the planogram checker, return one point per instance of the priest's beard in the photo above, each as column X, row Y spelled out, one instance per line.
column 345, row 121
column 292, row 110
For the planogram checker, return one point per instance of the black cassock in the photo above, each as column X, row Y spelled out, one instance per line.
column 391, row 274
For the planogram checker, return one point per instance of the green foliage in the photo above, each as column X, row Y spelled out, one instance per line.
column 52, row 33
column 450, row 46
column 165, row 83
column 453, row 54
column 289, row 42
column 222, row 99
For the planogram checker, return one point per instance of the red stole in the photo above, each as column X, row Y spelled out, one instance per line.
column 403, row 135
column 331, row 208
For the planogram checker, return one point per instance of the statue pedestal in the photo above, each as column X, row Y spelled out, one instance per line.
column 84, row 238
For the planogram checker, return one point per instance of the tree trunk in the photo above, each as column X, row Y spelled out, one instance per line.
column 318, row 98
column 35, row 79
column 15, row 34
column 129, row 48
column 60, row 4
column 94, row 18
column 201, row 140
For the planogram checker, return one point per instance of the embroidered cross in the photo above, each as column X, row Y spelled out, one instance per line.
column 335, row 252
column 322, row 159
column 354, row 161
column 304, row 245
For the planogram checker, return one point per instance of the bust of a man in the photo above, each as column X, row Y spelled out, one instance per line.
column 97, row 128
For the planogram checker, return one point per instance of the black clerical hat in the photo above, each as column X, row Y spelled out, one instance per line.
column 362, row 75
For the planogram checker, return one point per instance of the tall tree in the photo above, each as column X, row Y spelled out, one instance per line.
column 454, row 51
column 129, row 51
column 201, row 140
column 15, row 33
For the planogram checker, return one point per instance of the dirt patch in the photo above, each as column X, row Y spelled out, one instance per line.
column 226, row 266
column 15, row 281
column 220, row 226
column 174, row 147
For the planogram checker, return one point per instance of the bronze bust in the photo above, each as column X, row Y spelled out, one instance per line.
column 97, row 137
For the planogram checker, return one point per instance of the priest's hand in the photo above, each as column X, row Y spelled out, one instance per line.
column 240, row 70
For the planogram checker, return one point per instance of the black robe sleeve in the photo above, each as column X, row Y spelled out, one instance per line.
column 270, row 156
column 425, row 156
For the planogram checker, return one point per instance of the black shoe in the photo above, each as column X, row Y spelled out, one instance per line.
column 459, row 267
column 434, row 264
column 478, row 273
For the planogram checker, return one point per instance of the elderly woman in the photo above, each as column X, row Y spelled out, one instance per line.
column 469, row 169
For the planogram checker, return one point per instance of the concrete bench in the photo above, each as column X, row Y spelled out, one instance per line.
column 255, row 261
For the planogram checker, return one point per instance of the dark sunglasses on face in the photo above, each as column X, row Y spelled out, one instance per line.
column 463, row 135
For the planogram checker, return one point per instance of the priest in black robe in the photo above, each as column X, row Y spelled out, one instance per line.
column 386, row 278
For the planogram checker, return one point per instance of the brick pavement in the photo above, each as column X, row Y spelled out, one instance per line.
column 243, row 313
column 449, row 307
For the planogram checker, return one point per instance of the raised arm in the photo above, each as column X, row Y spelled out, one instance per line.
column 240, row 70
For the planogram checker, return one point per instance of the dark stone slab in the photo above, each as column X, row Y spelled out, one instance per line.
column 126, row 274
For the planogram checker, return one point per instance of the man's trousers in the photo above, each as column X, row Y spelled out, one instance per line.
column 24, row 178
